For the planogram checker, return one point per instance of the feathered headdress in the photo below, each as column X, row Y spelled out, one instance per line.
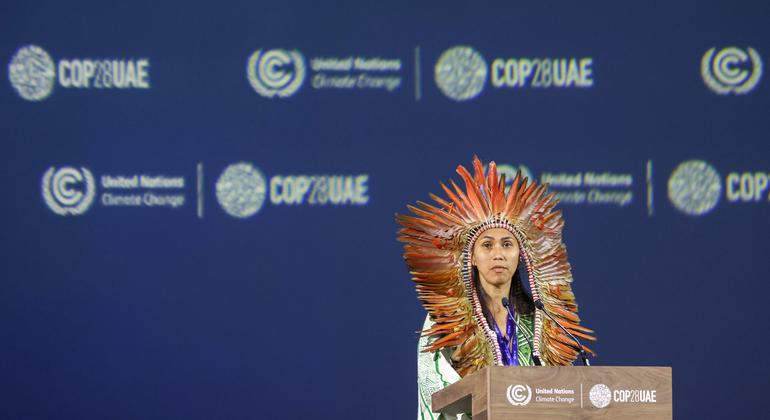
column 438, row 240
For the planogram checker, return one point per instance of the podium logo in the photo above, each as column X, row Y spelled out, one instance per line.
column 461, row 73
column 276, row 72
column 241, row 190
column 32, row 73
column 731, row 70
column 600, row 395
column 519, row 395
column 694, row 187
column 68, row 191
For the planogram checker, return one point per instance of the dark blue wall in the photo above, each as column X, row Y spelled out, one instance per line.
column 308, row 310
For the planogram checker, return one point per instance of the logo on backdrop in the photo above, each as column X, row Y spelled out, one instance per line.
column 579, row 188
column 694, row 187
column 600, row 395
column 72, row 191
column 33, row 73
column 241, row 190
column 510, row 172
column 281, row 73
column 276, row 72
column 731, row 70
column 68, row 191
column 519, row 395
column 461, row 73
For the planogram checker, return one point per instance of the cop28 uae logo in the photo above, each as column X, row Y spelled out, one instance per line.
column 600, row 395
column 519, row 394
column 461, row 73
column 241, row 190
column 731, row 70
column 694, row 187
column 67, row 190
column 276, row 72
column 32, row 73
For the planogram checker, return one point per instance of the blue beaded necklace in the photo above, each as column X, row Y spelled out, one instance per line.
column 508, row 346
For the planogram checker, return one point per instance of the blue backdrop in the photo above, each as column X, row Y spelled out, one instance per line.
column 236, row 304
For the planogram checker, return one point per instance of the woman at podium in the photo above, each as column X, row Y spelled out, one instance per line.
column 466, row 253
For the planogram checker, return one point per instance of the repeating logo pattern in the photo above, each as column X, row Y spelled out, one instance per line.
column 600, row 395
column 694, row 187
column 32, row 73
column 731, row 70
column 60, row 192
column 241, row 190
column 276, row 72
column 519, row 395
column 461, row 73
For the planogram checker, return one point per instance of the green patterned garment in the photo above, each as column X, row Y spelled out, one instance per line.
column 434, row 370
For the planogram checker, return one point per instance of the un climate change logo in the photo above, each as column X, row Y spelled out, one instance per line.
column 276, row 72
column 519, row 394
column 461, row 73
column 731, row 70
column 694, row 187
column 32, row 73
column 510, row 172
column 241, row 190
column 68, row 191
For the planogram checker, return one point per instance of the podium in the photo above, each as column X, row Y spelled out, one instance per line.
column 560, row 392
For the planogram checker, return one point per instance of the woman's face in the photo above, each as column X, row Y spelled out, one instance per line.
column 496, row 256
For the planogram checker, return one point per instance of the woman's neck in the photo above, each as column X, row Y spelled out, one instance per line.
column 494, row 295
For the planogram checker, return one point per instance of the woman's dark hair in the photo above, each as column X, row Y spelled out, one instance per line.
column 518, row 296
